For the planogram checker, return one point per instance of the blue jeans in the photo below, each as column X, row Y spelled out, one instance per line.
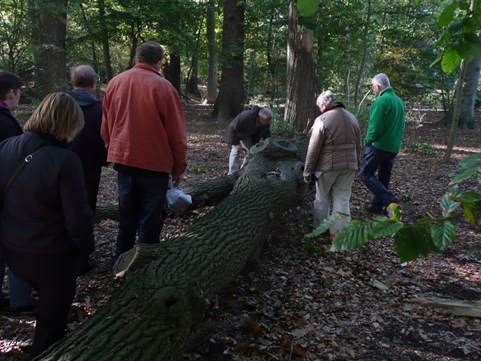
column 381, row 161
column 141, row 208
column 20, row 291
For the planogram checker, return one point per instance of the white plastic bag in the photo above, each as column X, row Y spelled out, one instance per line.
column 177, row 201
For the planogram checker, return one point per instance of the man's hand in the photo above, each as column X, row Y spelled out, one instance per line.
column 176, row 178
column 239, row 147
column 307, row 179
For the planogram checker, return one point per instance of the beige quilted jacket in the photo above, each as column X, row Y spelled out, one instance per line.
column 335, row 142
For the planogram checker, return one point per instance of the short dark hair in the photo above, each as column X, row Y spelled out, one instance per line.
column 149, row 53
column 8, row 81
column 83, row 76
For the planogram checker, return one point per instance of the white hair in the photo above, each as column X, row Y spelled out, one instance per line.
column 382, row 80
column 326, row 97
column 265, row 113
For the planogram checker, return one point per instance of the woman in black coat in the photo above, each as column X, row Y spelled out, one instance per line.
column 46, row 226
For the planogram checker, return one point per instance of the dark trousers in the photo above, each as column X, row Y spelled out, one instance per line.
column 54, row 278
column 141, row 208
column 92, row 181
column 381, row 161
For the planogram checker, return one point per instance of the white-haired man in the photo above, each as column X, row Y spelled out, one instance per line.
column 245, row 130
column 382, row 143
column 333, row 157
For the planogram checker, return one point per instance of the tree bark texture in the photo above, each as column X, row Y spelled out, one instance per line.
column 164, row 296
column 300, row 102
column 230, row 99
column 212, row 53
column 49, row 34
column 172, row 71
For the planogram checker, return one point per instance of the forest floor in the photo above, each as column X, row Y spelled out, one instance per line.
column 301, row 301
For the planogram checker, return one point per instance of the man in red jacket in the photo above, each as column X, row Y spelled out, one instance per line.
column 144, row 131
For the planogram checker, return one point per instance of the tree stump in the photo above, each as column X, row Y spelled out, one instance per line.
column 167, row 287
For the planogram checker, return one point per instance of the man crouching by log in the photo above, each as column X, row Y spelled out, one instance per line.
column 245, row 130
column 333, row 158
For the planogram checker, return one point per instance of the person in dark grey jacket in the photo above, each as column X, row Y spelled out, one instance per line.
column 20, row 292
column 245, row 130
column 88, row 144
column 46, row 225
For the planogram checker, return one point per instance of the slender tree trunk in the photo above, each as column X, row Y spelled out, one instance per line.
column 364, row 53
column 104, row 33
column 172, row 71
column 212, row 53
column 49, row 34
column 230, row 99
column 192, row 84
column 456, row 111
column 300, row 102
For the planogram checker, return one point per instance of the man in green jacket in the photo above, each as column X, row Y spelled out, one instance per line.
column 382, row 143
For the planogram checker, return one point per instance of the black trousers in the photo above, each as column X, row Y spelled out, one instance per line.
column 54, row 277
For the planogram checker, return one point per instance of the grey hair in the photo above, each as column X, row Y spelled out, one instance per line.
column 83, row 76
column 326, row 97
column 265, row 113
column 382, row 80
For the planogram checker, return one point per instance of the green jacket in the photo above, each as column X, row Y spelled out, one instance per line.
column 386, row 124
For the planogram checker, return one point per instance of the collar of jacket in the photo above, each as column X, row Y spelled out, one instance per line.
column 387, row 90
column 146, row 67
column 334, row 105
column 49, row 138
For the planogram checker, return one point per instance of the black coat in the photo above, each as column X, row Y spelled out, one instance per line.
column 9, row 126
column 245, row 125
column 46, row 209
column 88, row 144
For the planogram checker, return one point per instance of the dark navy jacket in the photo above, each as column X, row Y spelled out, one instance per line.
column 88, row 144
column 9, row 126
column 46, row 210
column 245, row 125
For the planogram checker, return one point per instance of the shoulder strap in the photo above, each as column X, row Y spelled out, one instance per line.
column 26, row 160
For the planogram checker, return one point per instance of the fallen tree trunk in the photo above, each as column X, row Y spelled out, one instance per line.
column 163, row 300
column 203, row 194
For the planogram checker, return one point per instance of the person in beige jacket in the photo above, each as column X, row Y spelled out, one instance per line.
column 333, row 158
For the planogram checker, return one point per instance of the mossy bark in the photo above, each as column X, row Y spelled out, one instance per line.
column 164, row 296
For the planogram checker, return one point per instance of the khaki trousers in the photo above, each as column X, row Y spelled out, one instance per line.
column 333, row 192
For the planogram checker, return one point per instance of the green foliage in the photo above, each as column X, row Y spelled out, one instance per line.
column 461, row 23
column 426, row 235
column 422, row 148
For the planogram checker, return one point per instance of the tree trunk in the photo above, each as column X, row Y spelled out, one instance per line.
column 456, row 111
column 163, row 300
column 230, row 99
column 172, row 71
column 212, row 53
column 192, row 83
column 364, row 54
column 468, row 97
column 49, row 34
column 300, row 102
column 109, row 74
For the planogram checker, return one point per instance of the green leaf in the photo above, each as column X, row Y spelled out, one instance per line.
column 324, row 226
column 380, row 285
column 307, row 7
column 466, row 174
column 414, row 241
column 394, row 211
column 448, row 205
column 443, row 233
column 386, row 228
column 451, row 60
column 447, row 15
column 471, row 204
column 355, row 235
